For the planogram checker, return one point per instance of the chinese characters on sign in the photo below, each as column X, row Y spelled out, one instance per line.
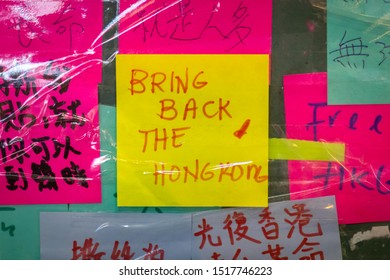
column 47, row 30
column 42, row 147
column 284, row 230
column 358, row 52
column 49, row 146
column 89, row 250
column 305, row 229
column 201, row 26
column 115, row 236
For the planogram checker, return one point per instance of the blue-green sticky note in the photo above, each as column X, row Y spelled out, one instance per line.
column 107, row 161
column 358, row 51
column 19, row 230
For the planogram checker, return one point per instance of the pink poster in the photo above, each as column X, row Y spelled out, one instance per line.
column 361, row 184
column 49, row 138
column 48, row 30
column 195, row 26
column 49, row 125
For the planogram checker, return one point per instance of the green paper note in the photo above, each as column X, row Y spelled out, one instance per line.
column 289, row 149
column 358, row 51
column 19, row 230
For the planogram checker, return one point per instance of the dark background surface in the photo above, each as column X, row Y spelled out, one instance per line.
column 298, row 46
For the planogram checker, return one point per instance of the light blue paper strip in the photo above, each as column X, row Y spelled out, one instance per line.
column 358, row 51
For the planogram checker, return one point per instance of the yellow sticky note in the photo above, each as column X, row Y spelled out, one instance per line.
column 192, row 130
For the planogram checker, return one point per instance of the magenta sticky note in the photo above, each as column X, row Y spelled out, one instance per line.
column 361, row 184
column 201, row 26
column 50, row 139
column 47, row 30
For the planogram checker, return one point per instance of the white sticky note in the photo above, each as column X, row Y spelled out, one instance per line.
column 117, row 236
column 302, row 229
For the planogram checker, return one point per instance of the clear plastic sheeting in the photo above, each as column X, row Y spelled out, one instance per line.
column 72, row 72
column 50, row 69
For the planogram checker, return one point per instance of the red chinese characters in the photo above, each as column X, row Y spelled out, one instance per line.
column 284, row 233
column 120, row 251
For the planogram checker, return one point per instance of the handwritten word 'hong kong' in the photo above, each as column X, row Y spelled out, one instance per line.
column 331, row 119
column 267, row 235
column 354, row 53
column 356, row 178
column 192, row 24
column 90, row 251
column 232, row 172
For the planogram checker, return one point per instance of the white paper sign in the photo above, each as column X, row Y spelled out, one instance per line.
column 117, row 236
column 302, row 229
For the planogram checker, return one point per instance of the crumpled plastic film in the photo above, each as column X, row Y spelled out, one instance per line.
column 58, row 114
column 52, row 72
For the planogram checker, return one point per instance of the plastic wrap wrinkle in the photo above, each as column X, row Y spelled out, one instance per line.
column 46, row 79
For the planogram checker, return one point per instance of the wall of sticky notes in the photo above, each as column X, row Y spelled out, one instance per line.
column 238, row 129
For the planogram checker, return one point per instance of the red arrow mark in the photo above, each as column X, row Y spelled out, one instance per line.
column 242, row 131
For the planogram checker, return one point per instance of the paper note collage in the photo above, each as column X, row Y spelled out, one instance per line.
column 132, row 128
